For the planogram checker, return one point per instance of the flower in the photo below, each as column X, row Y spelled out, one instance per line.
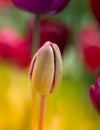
column 8, row 36
column 89, row 46
column 50, row 30
column 46, row 69
column 14, row 48
column 4, row 3
column 95, row 94
column 41, row 7
column 21, row 53
column 95, row 8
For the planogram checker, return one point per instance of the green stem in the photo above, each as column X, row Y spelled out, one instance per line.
column 42, row 112
column 36, row 37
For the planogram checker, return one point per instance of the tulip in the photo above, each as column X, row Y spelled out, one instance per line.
column 14, row 48
column 46, row 69
column 95, row 95
column 95, row 8
column 89, row 46
column 50, row 30
column 8, row 36
column 41, row 7
column 4, row 3
column 46, row 73
column 21, row 54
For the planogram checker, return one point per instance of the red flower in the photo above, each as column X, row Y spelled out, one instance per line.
column 4, row 3
column 50, row 30
column 14, row 47
column 89, row 45
column 21, row 53
column 8, row 36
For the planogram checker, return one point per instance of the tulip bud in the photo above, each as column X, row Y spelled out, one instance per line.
column 95, row 95
column 46, row 68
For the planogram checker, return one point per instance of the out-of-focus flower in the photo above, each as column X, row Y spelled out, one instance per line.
column 41, row 7
column 14, row 48
column 95, row 7
column 21, row 53
column 54, row 31
column 46, row 69
column 89, row 46
column 4, row 3
column 8, row 36
column 95, row 94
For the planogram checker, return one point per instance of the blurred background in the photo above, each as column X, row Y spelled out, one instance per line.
column 74, row 30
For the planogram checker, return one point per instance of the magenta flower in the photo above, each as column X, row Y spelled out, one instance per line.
column 95, row 95
column 41, row 6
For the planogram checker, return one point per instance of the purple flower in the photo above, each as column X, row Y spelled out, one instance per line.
column 41, row 6
column 95, row 95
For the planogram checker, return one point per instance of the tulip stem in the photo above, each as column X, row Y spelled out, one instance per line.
column 36, row 32
column 42, row 111
column 33, row 111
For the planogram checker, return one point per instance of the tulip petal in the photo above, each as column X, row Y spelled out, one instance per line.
column 59, row 5
column 41, row 6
